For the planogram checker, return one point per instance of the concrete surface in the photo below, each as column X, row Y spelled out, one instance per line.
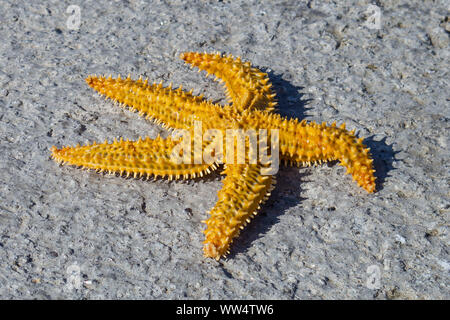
column 71, row 234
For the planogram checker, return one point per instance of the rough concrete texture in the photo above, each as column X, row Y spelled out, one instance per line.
column 72, row 234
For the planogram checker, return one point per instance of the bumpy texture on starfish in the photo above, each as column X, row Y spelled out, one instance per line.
column 251, row 107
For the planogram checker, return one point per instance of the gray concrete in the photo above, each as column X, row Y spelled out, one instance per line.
column 72, row 234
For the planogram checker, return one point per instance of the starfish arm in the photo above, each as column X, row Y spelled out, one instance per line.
column 311, row 142
column 175, row 109
column 246, row 87
column 145, row 157
column 244, row 189
column 306, row 143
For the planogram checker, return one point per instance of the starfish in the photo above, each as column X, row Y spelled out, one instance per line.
column 250, row 106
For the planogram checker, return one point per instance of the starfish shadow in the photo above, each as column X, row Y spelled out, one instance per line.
column 291, row 102
column 383, row 156
column 284, row 196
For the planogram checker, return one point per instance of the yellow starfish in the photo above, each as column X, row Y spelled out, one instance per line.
column 251, row 107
